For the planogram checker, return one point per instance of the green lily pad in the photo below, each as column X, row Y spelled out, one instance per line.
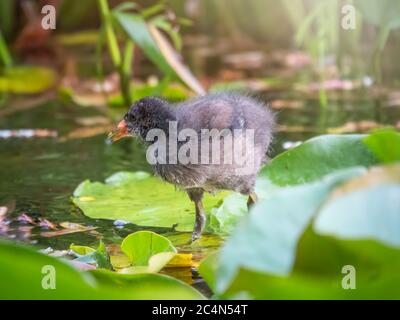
column 297, row 249
column 319, row 272
column 385, row 145
column 98, row 256
column 141, row 199
column 22, row 274
column 27, row 79
column 81, row 250
column 317, row 157
column 266, row 240
column 367, row 207
column 147, row 251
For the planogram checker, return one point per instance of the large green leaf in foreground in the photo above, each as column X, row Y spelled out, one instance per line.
column 21, row 278
column 367, row 207
column 141, row 199
column 295, row 244
column 266, row 240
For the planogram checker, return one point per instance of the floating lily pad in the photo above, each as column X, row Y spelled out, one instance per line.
column 147, row 252
column 89, row 255
column 81, row 250
column 27, row 79
column 142, row 199
column 385, row 145
column 317, row 157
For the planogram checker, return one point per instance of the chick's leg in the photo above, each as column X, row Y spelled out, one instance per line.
column 251, row 200
column 196, row 195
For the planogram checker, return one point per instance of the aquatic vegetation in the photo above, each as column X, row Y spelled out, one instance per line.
column 19, row 274
column 90, row 216
column 295, row 243
column 314, row 218
column 5, row 56
column 145, row 200
column 130, row 196
column 27, row 79
column 141, row 29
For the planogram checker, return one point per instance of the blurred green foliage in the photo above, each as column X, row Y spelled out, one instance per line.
column 22, row 276
column 319, row 216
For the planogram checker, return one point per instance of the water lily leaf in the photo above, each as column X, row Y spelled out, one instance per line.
column 384, row 13
column 208, row 269
column 81, row 250
column 99, row 256
column 266, row 240
column 141, row 199
column 385, row 145
column 224, row 218
column 83, row 266
column 155, row 264
column 102, row 257
column 279, row 245
column 180, row 260
column 147, row 251
column 303, row 253
column 317, row 157
column 207, row 241
column 26, row 79
column 318, row 274
column 120, row 261
column 142, row 245
column 22, row 276
column 150, row 249
column 152, row 286
column 366, row 207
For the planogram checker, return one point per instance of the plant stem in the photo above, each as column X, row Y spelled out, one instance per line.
column 125, row 72
column 122, row 63
column 379, row 46
column 5, row 56
column 110, row 34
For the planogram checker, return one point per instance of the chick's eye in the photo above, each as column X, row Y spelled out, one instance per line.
column 129, row 117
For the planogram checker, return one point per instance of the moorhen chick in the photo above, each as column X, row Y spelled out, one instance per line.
column 223, row 122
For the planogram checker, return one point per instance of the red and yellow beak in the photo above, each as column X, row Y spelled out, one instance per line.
column 119, row 132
